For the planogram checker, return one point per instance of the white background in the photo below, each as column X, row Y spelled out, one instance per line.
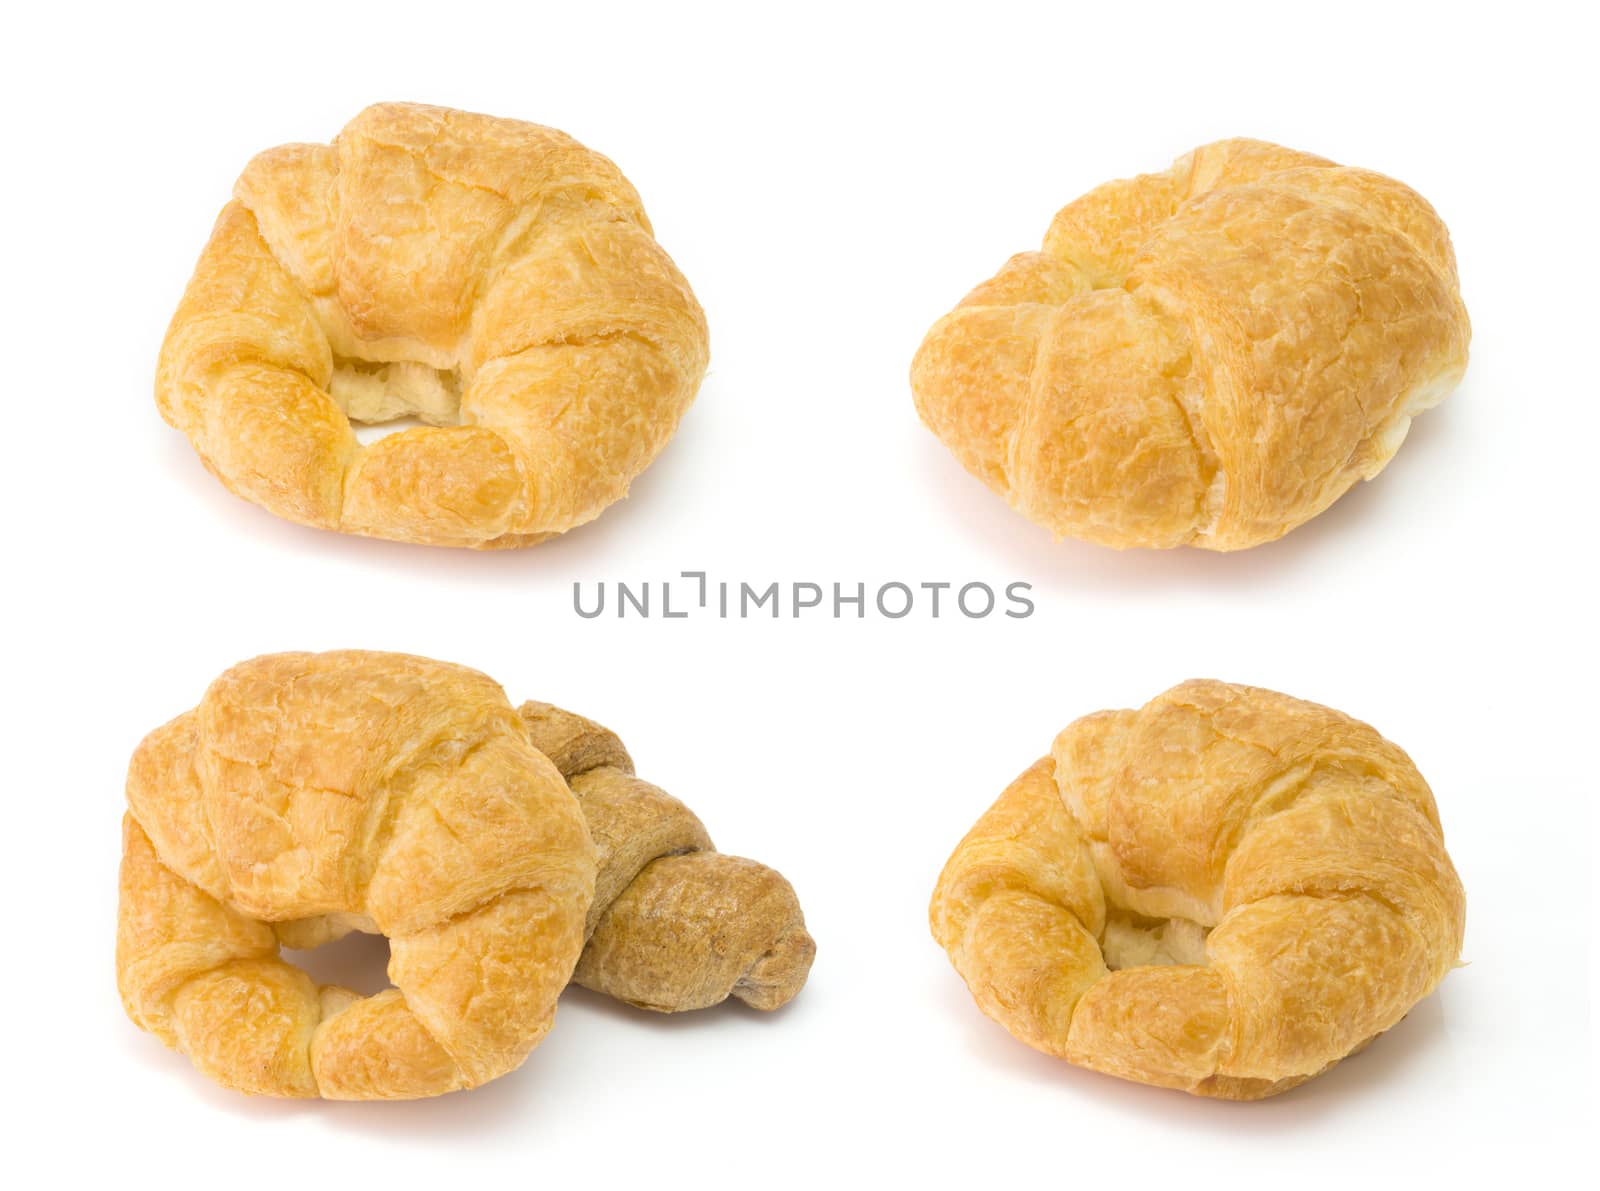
column 831, row 179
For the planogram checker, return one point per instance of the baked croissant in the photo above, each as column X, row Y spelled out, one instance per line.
column 1226, row 892
column 494, row 279
column 674, row 923
column 381, row 791
column 1209, row 356
column 313, row 794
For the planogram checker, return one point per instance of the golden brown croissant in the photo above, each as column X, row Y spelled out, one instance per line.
column 374, row 790
column 492, row 278
column 1208, row 356
column 312, row 794
column 1226, row 892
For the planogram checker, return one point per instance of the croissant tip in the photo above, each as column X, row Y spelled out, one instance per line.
column 778, row 976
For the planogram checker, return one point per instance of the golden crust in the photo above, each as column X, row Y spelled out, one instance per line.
column 382, row 790
column 1225, row 892
column 1209, row 356
column 492, row 278
column 309, row 795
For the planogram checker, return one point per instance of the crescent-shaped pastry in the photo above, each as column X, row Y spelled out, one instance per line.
column 1209, row 356
column 493, row 279
column 309, row 795
column 378, row 791
column 1226, row 892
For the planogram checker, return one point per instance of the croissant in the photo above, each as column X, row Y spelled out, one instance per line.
column 1225, row 892
column 313, row 794
column 493, row 279
column 674, row 924
column 1209, row 356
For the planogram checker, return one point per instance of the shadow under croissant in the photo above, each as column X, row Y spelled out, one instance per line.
column 1070, row 564
column 562, row 554
column 520, row 1100
column 1380, row 1062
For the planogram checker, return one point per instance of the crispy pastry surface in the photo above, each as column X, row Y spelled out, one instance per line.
column 1209, row 356
column 1225, row 892
column 493, row 279
column 309, row 795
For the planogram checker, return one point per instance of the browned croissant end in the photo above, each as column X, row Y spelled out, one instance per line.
column 675, row 924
